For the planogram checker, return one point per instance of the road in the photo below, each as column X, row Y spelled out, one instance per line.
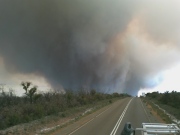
column 111, row 120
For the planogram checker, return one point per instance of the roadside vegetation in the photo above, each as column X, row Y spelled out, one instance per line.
column 169, row 101
column 32, row 106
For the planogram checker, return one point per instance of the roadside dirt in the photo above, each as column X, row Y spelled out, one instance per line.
column 152, row 115
column 155, row 114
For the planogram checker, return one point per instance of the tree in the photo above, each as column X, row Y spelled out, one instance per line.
column 165, row 97
column 29, row 92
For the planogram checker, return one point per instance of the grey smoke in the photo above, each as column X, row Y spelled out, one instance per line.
column 70, row 43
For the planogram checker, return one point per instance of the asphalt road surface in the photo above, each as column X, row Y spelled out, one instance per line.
column 111, row 120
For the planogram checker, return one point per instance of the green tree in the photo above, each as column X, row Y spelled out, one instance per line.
column 165, row 97
column 29, row 92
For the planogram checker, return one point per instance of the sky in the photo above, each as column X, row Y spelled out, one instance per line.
column 169, row 83
column 124, row 46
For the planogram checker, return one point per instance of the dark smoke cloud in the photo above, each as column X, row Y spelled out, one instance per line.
column 73, row 44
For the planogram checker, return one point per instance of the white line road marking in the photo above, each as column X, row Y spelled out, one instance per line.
column 120, row 119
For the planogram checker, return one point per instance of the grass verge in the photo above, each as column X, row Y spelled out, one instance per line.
column 158, row 112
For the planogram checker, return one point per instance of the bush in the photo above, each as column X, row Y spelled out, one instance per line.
column 15, row 110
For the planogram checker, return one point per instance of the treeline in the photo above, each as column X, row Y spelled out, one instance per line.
column 169, row 98
column 15, row 110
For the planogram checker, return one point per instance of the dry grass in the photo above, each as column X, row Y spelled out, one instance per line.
column 159, row 114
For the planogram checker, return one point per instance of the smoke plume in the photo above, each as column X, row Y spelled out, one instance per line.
column 108, row 45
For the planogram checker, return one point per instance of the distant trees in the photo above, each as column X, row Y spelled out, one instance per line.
column 172, row 99
column 165, row 98
column 169, row 101
column 168, row 98
column 153, row 94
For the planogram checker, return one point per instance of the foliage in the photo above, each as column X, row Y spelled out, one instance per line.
column 29, row 92
column 170, row 101
column 15, row 110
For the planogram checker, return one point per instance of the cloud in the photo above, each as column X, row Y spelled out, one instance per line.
column 161, row 20
column 112, row 46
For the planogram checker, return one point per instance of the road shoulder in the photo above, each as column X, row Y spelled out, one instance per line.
column 151, row 114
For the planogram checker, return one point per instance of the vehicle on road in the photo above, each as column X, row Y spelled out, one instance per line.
column 152, row 129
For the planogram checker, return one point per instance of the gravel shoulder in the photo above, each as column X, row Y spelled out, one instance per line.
column 152, row 115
